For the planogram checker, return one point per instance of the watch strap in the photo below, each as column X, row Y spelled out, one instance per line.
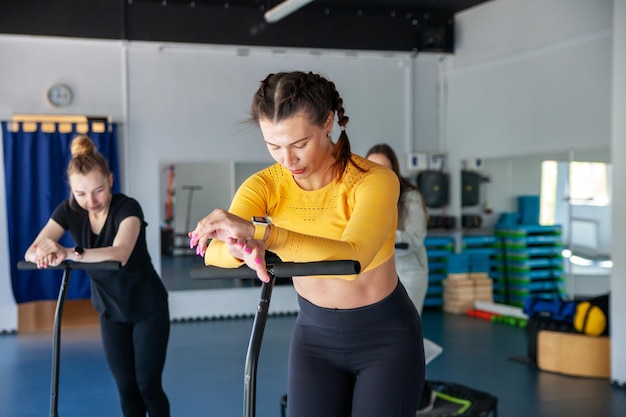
column 259, row 231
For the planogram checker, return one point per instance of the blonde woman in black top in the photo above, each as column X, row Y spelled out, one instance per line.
column 132, row 301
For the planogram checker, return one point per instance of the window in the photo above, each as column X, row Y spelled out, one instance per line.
column 549, row 176
column 586, row 185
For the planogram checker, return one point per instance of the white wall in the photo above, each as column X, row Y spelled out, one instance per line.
column 29, row 65
column 530, row 77
column 425, row 110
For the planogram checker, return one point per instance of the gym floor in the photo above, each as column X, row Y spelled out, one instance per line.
column 204, row 371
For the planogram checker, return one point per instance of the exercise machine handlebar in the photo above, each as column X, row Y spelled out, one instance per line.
column 280, row 270
column 87, row 266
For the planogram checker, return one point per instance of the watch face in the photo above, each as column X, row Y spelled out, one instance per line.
column 259, row 220
column 59, row 95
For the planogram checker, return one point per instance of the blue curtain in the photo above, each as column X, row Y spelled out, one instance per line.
column 35, row 169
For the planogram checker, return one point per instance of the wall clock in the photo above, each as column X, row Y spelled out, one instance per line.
column 59, row 95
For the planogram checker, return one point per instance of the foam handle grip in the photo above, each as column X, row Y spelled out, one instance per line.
column 100, row 266
column 280, row 270
column 294, row 269
column 215, row 272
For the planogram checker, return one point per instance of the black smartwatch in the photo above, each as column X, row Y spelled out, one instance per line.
column 79, row 251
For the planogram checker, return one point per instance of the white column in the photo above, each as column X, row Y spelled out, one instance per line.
column 618, row 144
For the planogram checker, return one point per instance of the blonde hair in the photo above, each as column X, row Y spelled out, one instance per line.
column 86, row 158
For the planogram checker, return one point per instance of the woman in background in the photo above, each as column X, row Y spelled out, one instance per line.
column 132, row 301
column 411, row 258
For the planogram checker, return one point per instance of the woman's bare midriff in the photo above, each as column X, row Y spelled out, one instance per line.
column 368, row 288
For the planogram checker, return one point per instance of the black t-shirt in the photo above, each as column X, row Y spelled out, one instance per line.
column 136, row 289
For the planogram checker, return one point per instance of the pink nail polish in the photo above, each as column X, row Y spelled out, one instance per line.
column 257, row 260
column 247, row 250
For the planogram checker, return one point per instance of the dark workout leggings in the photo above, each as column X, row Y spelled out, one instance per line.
column 136, row 356
column 363, row 362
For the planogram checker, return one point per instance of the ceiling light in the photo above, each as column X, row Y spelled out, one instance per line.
column 284, row 9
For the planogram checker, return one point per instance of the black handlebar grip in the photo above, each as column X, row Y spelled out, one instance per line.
column 280, row 270
column 101, row 266
column 294, row 269
column 215, row 272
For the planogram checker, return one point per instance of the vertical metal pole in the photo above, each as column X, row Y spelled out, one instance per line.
column 56, row 343
column 570, row 273
column 254, row 348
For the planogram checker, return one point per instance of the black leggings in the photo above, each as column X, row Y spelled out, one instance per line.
column 362, row 362
column 136, row 356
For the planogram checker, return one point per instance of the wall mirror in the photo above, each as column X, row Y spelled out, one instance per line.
column 188, row 192
column 575, row 192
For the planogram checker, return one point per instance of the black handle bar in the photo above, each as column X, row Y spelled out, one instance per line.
column 105, row 265
column 280, row 270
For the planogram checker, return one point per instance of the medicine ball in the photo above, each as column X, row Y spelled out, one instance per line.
column 592, row 316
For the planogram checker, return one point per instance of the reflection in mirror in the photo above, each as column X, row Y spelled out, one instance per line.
column 582, row 204
column 188, row 192
column 574, row 192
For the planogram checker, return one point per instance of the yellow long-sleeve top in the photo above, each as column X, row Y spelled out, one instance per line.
column 352, row 218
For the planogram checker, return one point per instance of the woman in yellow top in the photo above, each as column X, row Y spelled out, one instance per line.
column 357, row 347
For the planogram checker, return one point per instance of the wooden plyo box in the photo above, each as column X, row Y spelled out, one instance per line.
column 574, row 354
column 38, row 316
column 460, row 294
column 465, row 276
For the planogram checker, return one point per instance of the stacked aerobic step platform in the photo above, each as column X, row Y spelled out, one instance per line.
column 438, row 250
column 531, row 263
column 484, row 251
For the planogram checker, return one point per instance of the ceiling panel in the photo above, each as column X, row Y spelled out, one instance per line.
column 395, row 25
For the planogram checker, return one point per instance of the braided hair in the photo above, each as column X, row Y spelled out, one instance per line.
column 282, row 95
